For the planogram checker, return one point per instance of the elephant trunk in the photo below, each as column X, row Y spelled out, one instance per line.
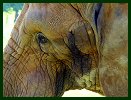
column 31, row 75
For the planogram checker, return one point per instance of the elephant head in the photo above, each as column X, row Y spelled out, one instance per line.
column 57, row 47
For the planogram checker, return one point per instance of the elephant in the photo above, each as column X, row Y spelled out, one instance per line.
column 56, row 47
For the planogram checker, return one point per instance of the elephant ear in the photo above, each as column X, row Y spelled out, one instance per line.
column 113, row 68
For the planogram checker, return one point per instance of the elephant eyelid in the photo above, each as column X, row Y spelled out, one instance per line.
column 41, row 38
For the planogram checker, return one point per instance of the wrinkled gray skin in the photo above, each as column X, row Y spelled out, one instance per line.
column 58, row 47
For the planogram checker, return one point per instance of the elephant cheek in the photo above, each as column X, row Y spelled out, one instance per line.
column 84, row 37
column 82, row 45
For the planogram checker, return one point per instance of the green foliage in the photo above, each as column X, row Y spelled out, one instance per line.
column 10, row 7
column 7, row 7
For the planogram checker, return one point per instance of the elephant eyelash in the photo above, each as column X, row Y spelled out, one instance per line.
column 41, row 38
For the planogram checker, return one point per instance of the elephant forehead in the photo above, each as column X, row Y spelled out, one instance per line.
column 51, row 19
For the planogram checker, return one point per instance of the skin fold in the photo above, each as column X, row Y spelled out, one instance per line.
column 55, row 47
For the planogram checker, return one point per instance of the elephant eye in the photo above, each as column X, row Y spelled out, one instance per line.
column 41, row 38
